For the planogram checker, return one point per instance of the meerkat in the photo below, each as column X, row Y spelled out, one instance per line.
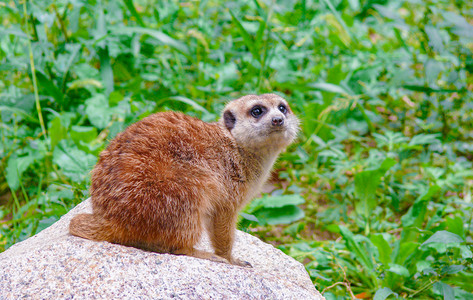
column 167, row 178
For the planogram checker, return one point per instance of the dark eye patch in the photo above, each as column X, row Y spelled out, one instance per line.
column 282, row 108
column 257, row 111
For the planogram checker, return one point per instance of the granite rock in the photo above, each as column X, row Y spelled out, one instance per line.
column 56, row 265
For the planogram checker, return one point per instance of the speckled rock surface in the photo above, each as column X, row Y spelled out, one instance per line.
column 55, row 265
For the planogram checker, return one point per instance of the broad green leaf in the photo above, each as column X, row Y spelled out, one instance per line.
column 415, row 216
column 50, row 87
column 57, row 131
column 280, row 215
column 114, row 98
column 406, row 249
column 92, row 148
column 227, row 74
column 461, row 26
column 443, row 237
column 384, row 249
column 424, row 139
column 383, row 293
column 438, row 247
column 359, row 251
column 366, row 183
column 435, row 39
column 387, row 164
column 455, row 225
column 20, row 112
column 466, row 252
column 59, row 126
column 16, row 166
column 84, row 136
column 423, row 265
column 399, row 270
column 432, row 70
column 83, row 133
column 74, row 163
column 446, row 290
column 106, row 70
column 98, row 111
column 249, row 217
column 279, row 201
column 452, row 269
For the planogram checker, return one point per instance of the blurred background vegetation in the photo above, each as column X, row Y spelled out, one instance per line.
column 375, row 199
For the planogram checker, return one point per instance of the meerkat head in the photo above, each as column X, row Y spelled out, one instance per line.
column 263, row 122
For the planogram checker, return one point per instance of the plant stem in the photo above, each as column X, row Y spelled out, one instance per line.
column 424, row 288
column 33, row 76
column 340, row 283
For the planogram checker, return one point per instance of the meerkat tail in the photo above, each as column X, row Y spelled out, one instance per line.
column 92, row 227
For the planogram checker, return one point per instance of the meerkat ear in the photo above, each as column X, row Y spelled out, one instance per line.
column 229, row 119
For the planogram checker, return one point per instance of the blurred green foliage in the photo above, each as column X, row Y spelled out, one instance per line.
column 376, row 197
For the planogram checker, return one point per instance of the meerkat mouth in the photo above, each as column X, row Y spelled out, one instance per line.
column 277, row 130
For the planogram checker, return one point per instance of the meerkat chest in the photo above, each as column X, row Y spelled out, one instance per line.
column 256, row 178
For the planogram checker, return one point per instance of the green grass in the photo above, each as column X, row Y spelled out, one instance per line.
column 376, row 196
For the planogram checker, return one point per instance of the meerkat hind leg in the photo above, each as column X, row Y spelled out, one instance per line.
column 200, row 254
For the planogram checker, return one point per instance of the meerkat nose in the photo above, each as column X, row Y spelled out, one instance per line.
column 277, row 121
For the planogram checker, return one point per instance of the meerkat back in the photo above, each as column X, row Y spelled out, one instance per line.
column 168, row 177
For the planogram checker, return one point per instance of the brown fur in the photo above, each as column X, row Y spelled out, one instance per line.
column 167, row 177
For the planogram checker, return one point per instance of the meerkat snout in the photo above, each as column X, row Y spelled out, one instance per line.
column 277, row 121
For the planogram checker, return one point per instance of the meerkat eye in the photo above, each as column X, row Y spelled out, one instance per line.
column 256, row 111
column 282, row 108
